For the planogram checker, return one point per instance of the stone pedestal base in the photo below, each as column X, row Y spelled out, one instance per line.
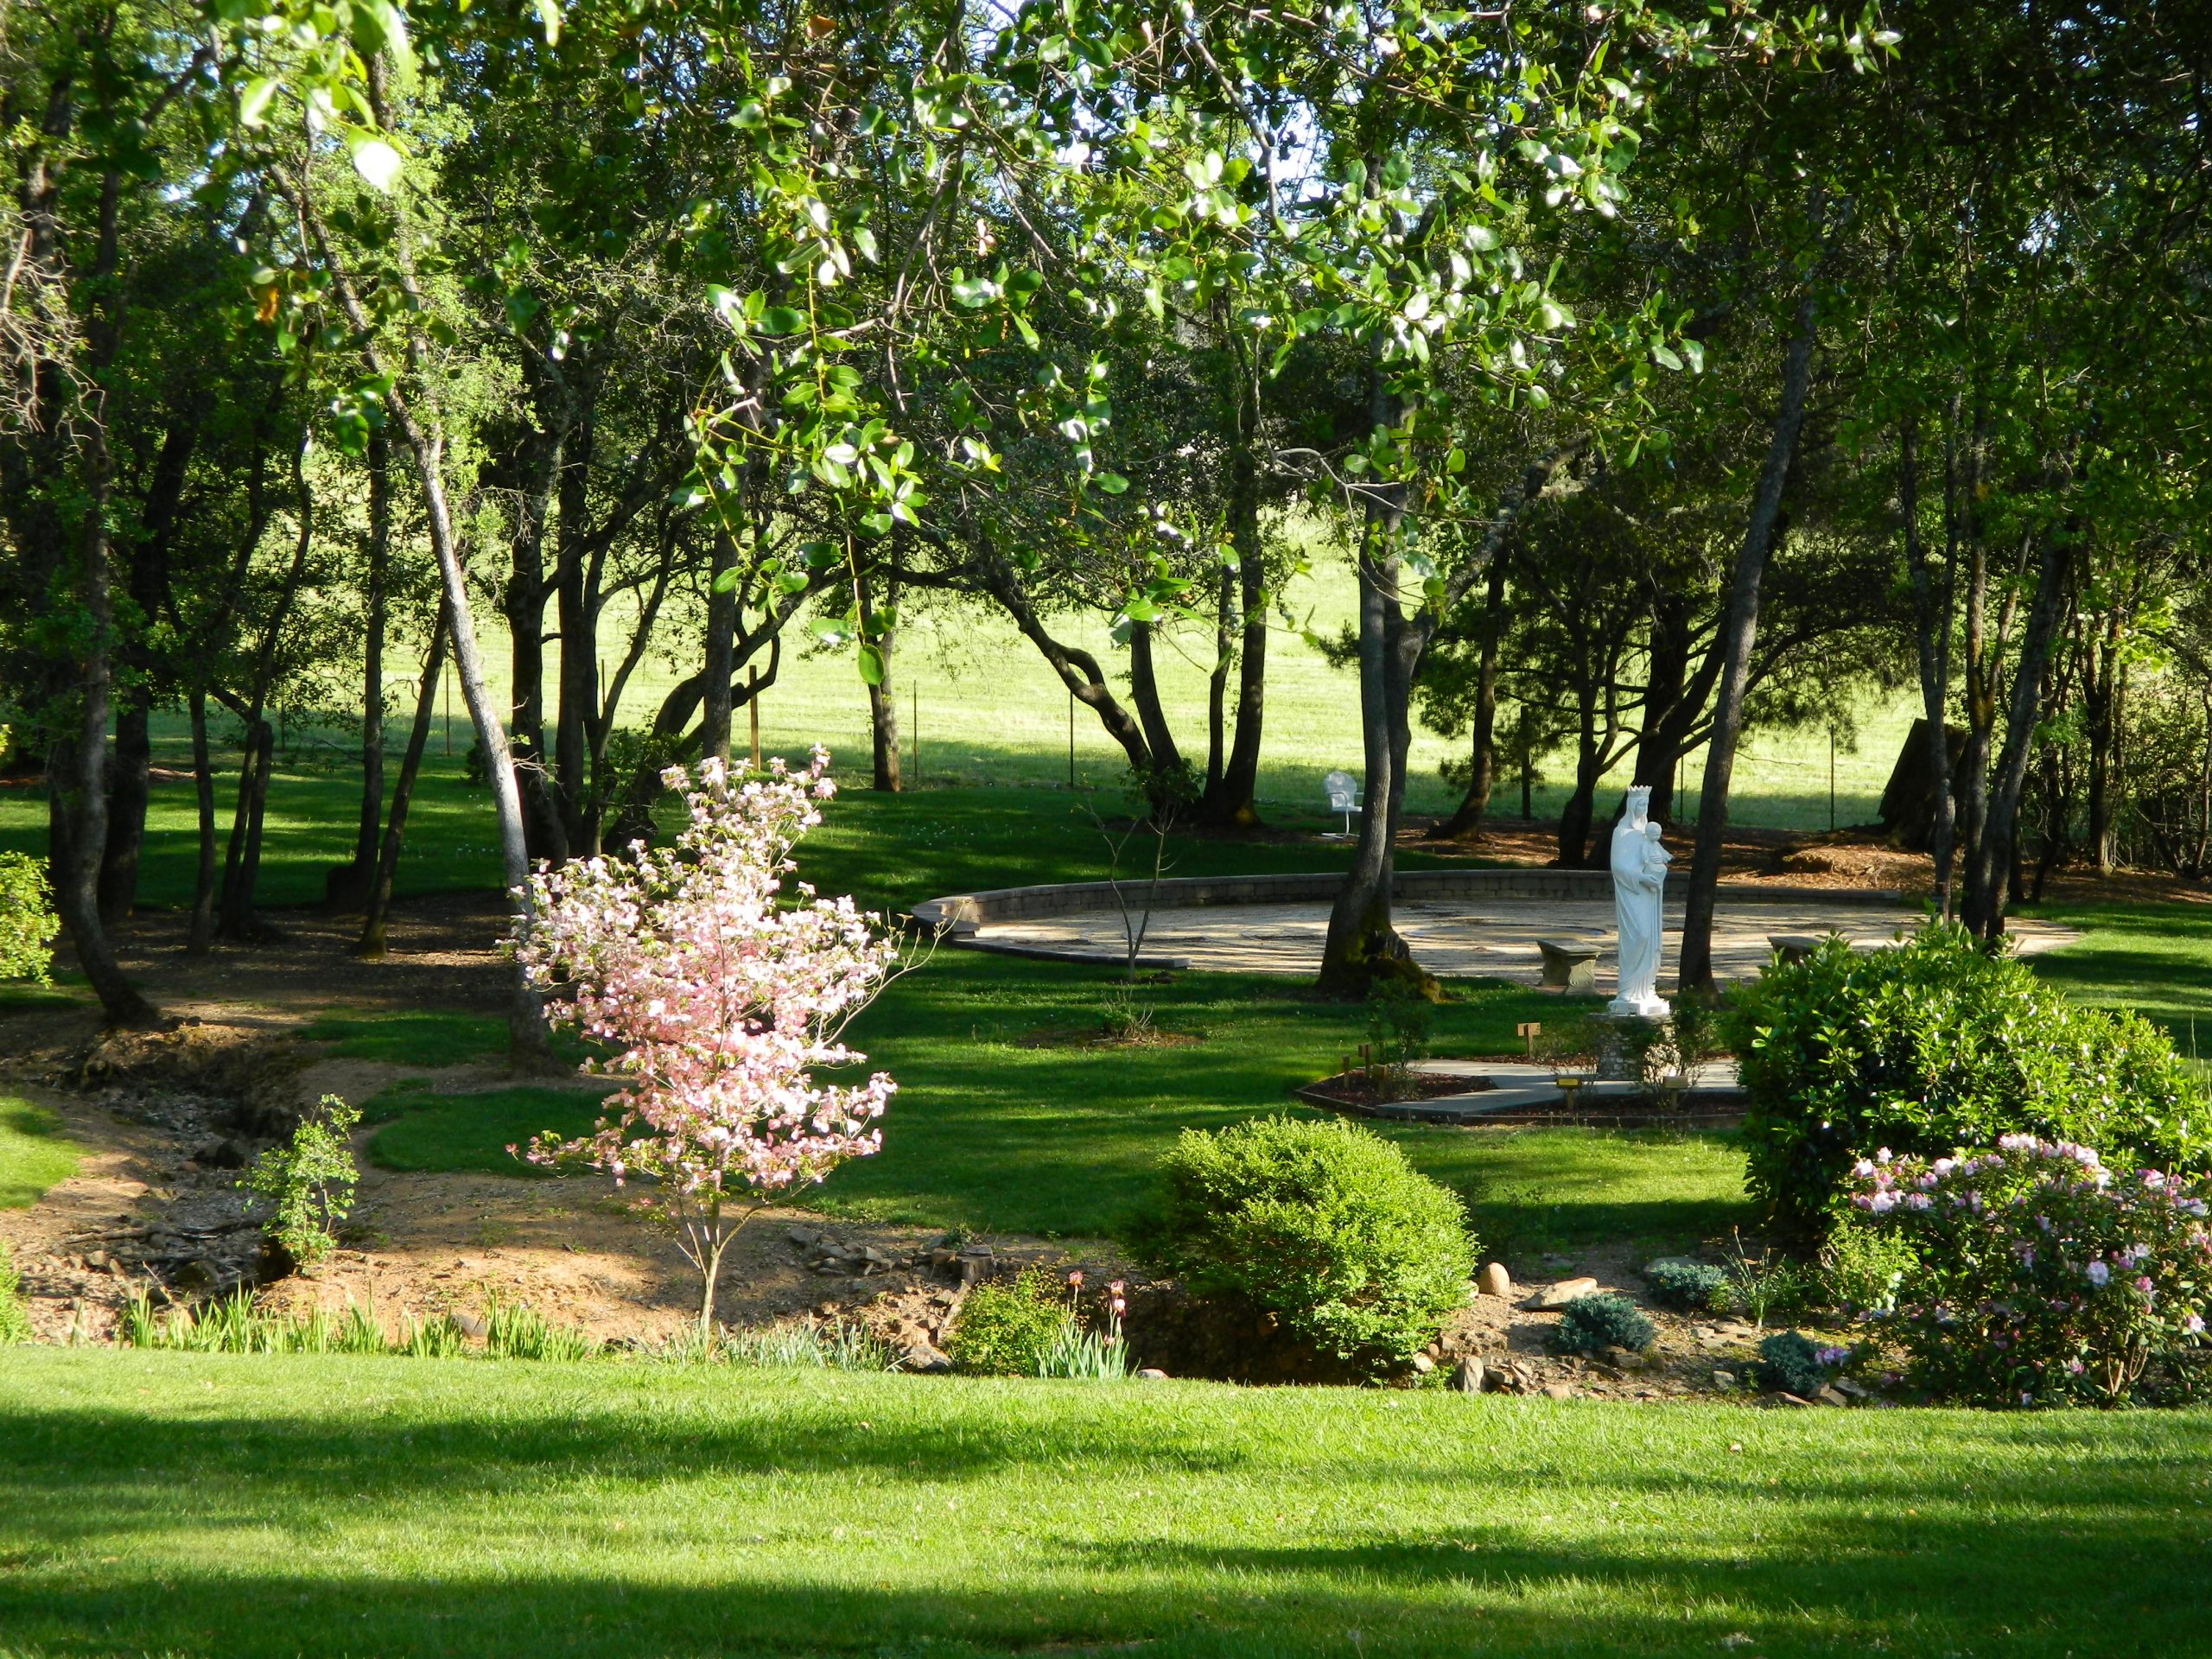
column 1623, row 1037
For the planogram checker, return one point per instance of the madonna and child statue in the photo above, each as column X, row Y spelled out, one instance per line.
column 1639, row 881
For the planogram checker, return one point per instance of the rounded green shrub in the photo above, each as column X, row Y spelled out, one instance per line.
column 1323, row 1225
column 1686, row 1287
column 1590, row 1325
column 1934, row 1045
column 1009, row 1330
column 1792, row 1361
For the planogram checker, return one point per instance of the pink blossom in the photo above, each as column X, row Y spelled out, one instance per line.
column 722, row 1000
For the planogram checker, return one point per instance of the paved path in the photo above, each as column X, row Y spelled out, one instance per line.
column 1493, row 939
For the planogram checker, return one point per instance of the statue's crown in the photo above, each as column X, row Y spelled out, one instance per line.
column 1639, row 800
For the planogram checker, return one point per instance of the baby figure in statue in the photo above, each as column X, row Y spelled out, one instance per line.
column 1639, row 864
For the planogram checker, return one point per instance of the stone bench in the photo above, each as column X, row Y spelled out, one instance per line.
column 1570, row 965
column 1794, row 947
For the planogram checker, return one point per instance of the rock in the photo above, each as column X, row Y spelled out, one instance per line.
column 943, row 1257
column 1626, row 1359
column 1471, row 1376
column 1788, row 1399
column 804, row 1236
column 220, row 1154
column 1423, row 1365
column 1724, row 1379
column 1152, row 1373
column 973, row 1268
column 1830, row 1397
column 98, row 1260
column 925, row 1357
column 1559, row 1295
column 1494, row 1281
column 469, row 1325
column 1844, row 1385
column 1557, row 1391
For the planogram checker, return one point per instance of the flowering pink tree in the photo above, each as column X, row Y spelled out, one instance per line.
column 722, row 1000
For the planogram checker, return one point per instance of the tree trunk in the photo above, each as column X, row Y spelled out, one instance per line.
column 719, row 667
column 526, row 1032
column 235, row 913
column 1465, row 822
column 525, row 606
column 1990, row 860
column 882, row 696
column 127, row 793
column 349, row 886
column 378, row 905
column 1932, row 608
column 1739, row 630
column 1144, row 693
column 201, row 937
column 1224, row 655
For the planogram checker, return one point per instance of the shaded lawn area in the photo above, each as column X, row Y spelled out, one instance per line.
column 989, row 1134
column 887, row 850
column 34, row 1155
column 191, row 1504
column 2156, row 959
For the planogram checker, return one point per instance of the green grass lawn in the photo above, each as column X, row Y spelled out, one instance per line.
column 991, row 1133
column 34, row 1155
column 2156, row 959
column 187, row 1505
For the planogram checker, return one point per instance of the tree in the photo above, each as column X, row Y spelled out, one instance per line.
column 722, row 1000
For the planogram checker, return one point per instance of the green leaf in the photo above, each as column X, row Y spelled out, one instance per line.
column 781, row 320
column 1110, row 483
column 375, row 161
column 253, row 103
column 727, row 581
column 549, row 14
column 871, row 664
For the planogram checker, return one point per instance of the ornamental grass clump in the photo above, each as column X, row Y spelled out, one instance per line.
column 2038, row 1276
column 720, row 998
column 1322, row 1226
column 1935, row 1045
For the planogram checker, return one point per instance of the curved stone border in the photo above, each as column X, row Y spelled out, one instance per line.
column 960, row 913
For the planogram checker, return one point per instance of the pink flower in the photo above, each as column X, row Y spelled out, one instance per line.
column 2099, row 1274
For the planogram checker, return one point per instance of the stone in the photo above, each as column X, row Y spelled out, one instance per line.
column 1423, row 1365
column 1570, row 965
column 1844, row 1385
column 1471, row 1376
column 1151, row 1374
column 1557, row 1296
column 804, row 1236
column 1788, row 1399
column 469, row 1325
column 1626, row 1359
column 1557, row 1391
column 925, row 1356
column 1724, row 1379
column 1494, row 1281
column 1831, row 1396
column 973, row 1268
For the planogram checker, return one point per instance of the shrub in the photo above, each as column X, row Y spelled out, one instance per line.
column 1792, row 1361
column 1324, row 1225
column 1590, row 1325
column 14, row 1318
column 27, row 923
column 1400, row 1022
column 1768, row 1283
column 1009, row 1330
column 1935, row 1045
column 1863, row 1266
column 1686, row 1287
column 308, row 1182
column 2039, row 1276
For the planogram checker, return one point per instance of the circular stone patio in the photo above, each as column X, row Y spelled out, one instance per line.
column 1492, row 936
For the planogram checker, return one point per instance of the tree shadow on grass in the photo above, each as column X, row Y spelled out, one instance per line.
column 829, row 1516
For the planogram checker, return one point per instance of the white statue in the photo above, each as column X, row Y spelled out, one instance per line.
column 1639, row 881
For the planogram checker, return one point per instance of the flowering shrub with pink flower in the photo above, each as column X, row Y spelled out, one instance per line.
column 722, row 1000
column 2040, row 1276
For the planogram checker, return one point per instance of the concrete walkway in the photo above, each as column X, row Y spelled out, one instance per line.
column 1491, row 938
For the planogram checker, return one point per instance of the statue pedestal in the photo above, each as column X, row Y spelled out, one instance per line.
column 1624, row 1037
